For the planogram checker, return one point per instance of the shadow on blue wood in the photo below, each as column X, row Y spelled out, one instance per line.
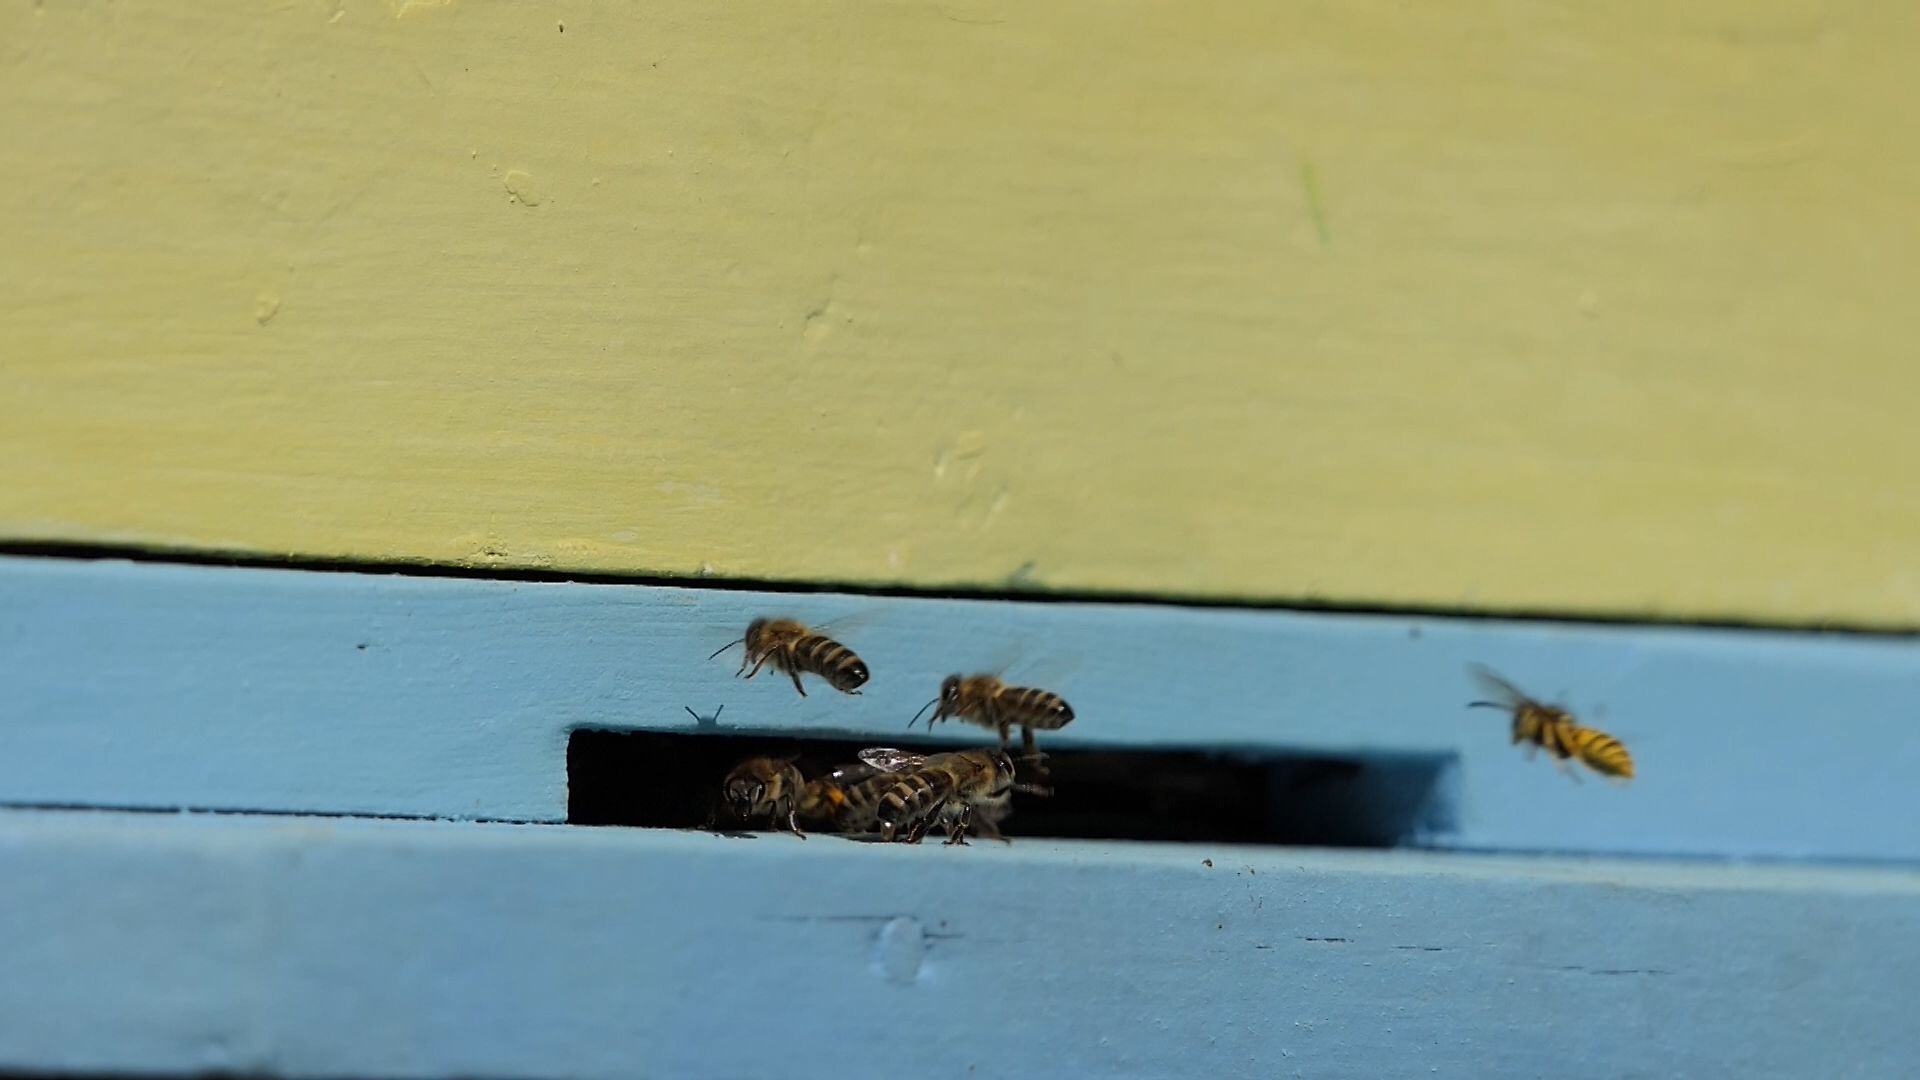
column 167, row 686
column 356, row 948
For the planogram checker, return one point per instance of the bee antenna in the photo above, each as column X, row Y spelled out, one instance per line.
column 923, row 708
column 728, row 645
column 1486, row 705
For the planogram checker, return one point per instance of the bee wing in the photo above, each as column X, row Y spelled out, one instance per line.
column 847, row 622
column 849, row 775
column 886, row 759
column 1497, row 690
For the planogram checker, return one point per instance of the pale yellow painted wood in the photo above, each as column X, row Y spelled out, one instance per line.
column 1583, row 308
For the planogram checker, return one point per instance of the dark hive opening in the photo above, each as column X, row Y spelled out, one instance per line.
column 672, row 781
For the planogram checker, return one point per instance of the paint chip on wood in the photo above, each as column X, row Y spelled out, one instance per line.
column 899, row 950
column 520, row 188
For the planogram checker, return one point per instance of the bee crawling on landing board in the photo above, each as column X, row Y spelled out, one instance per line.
column 765, row 789
column 1553, row 729
column 967, row 790
column 990, row 703
column 844, row 800
column 794, row 648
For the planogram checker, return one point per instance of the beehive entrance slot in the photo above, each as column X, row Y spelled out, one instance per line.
column 663, row 780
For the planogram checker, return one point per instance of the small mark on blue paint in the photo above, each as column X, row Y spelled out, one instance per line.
column 1421, row 948
column 874, row 920
column 899, row 950
column 362, row 646
column 1328, row 940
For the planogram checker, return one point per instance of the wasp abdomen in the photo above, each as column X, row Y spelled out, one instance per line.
column 1601, row 752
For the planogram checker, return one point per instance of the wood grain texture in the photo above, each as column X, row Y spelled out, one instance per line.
column 1463, row 305
column 162, row 686
column 193, row 945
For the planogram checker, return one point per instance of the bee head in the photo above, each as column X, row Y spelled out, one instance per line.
column 743, row 793
column 755, row 628
column 950, row 690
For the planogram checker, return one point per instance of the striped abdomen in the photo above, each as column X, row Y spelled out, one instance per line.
column 1600, row 751
column 1039, row 710
column 846, row 801
column 1556, row 732
column 911, row 800
column 820, row 655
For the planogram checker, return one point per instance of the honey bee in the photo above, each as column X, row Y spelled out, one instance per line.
column 958, row 792
column 765, row 789
column 794, row 648
column 1553, row 729
column 988, row 702
column 844, row 800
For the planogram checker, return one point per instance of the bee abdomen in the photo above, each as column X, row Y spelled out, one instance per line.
column 830, row 660
column 906, row 801
column 1042, row 710
column 857, row 810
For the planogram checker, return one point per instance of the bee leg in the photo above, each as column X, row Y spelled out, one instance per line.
column 1030, row 755
column 987, row 830
column 918, row 831
column 757, row 664
column 795, row 672
column 793, row 823
column 1034, row 765
column 957, row 830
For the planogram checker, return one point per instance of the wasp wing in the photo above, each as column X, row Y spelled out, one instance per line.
column 1498, row 691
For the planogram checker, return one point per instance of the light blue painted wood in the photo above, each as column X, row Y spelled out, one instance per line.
column 162, row 686
column 352, row 948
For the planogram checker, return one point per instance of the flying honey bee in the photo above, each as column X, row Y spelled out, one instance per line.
column 958, row 792
column 988, row 702
column 1553, row 729
column 794, row 648
column 765, row 789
